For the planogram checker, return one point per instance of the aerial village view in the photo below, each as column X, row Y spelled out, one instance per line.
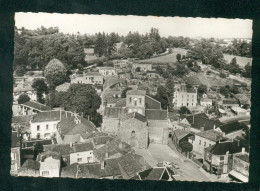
column 112, row 101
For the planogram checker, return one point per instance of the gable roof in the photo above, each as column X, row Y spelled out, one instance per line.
column 30, row 164
column 180, row 133
column 50, row 116
column 69, row 127
column 136, row 92
column 114, row 112
column 211, row 135
column 201, row 120
column 36, row 105
column 71, row 139
column 121, row 103
column 221, row 148
column 151, row 103
column 102, row 140
column 156, row 114
column 135, row 115
column 244, row 157
column 81, row 147
column 155, row 173
column 63, row 149
column 231, row 127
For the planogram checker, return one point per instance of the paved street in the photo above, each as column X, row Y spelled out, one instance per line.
column 188, row 171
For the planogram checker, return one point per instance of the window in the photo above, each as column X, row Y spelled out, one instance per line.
column 204, row 144
column 140, row 99
column 38, row 136
column 45, row 173
column 130, row 99
column 89, row 159
column 200, row 142
column 187, row 104
column 47, row 127
column 221, row 157
column 79, row 159
column 135, row 103
column 38, row 127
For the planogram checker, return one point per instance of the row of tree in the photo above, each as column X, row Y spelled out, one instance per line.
column 239, row 48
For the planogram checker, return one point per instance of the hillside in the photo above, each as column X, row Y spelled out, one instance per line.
column 241, row 61
column 166, row 58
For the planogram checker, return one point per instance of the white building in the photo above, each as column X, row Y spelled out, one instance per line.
column 107, row 71
column 143, row 66
column 184, row 96
column 82, row 153
column 50, row 163
column 88, row 78
column 43, row 125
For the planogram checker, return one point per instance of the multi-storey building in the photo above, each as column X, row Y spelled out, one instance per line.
column 184, row 96
column 88, row 78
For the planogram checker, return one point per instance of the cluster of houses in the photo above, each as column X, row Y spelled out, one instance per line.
column 73, row 146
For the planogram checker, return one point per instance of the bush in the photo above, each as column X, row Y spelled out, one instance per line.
column 23, row 98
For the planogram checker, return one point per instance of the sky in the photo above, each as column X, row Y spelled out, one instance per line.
column 174, row 26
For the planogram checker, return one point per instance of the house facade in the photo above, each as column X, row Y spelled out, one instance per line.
column 50, row 163
column 107, row 71
column 240, row 167
column 15, row 153
column 88, row 78
column 82, row 153
column 184, row 96
column 143, row 66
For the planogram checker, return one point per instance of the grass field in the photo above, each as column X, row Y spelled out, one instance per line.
column 241, row 61
column 166, row 58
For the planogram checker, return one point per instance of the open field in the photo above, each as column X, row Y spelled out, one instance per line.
column 166, row 58
column 241, row 61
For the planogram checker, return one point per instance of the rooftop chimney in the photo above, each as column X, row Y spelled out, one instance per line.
column 227, row 152
column 243, row 150
column 106, row 155
column 120, row 145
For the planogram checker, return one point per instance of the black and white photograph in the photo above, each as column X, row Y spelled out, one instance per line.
column 131, row 97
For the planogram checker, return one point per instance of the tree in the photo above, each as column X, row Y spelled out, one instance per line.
column 184, row 110
column 23, row 98
column 138, row 69
column 41, row 87
column 20, row 71
column 55, row 73
column 123, row 94
column 247, row 71
column 83, row 98
column 186, row 146
column 38, row 148
column 202, row 89
column 178, row 57
column 233, row 66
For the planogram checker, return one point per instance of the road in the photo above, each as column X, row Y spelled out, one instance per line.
column 188, row 171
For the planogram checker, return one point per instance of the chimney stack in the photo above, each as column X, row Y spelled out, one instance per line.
column 227, row 152
column 120, row 145
column 106, row 155
column 243, row 150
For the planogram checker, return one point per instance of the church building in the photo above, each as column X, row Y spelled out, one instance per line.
column 138, row 120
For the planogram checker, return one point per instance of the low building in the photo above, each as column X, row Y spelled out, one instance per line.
column 107, row 71
column 203, row 140
column 232, row 130
column 43, row 125
column 50, row 163
column 240, row 167
column 218, row 158
column 239, row 111
column 206, row 102
column 143, row 66
column 25, row 90
column 178, row 136
column 156, row 173
column 87, row 78
column 82, row 153
column 30, row 168
column 199, row 122
column 228, row 103
column 15, row 153
column 32, row 107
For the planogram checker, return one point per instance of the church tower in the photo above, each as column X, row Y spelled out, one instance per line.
column 135, row 101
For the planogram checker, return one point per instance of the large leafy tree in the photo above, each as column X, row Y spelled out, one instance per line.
column 184, row 110
column 83, row 98
column 55, row 73
column 186, row 146
column 41, row 87
column 23, row 98
column 247, row 71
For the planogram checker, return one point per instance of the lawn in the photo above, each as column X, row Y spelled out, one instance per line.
column 166, row 58
column 241, row 61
